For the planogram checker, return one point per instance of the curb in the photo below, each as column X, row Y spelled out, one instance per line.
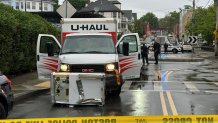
column 24, row 95
column 180, row 60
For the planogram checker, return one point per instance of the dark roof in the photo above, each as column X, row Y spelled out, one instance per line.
column 128, row 14
column 115, row 2
column 134, row 16
column 102, row 6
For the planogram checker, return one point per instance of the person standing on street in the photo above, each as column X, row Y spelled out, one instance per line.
column 157, row 49
column 144, row 52
column 165, row 47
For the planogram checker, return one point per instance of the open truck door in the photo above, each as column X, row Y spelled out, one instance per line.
column 48, row 49
column 129, row 50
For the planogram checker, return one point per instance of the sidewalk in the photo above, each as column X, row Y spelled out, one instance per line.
column 179, row 57
column 207, row 55
column 27, row 85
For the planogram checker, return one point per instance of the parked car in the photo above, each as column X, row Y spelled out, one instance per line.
column 149, row 42
column 6, row 96
column 186, row 47
column 172, row 48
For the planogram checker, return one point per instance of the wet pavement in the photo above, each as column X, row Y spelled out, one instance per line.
column 169, row 88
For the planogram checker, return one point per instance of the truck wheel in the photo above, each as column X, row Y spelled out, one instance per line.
column 2, row 112
column 113, row 93
column 175, row 51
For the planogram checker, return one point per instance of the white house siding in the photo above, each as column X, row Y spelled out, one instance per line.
column 118, row 6
column 108, row 14
column 20, row 5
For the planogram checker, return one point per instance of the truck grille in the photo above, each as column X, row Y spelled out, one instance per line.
column 87, row 68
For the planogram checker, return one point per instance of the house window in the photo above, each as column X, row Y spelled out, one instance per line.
column 114, row 14
column 119, row 25
column 21, row 5
column 28, row 5
column 40, row 6
column 17, row 5
column 45, row 6
column 123, row 25
column 119, row 15
column 33, row 5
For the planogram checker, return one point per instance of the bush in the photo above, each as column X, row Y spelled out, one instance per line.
column 18, row 38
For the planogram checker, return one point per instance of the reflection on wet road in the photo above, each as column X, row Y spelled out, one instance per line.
column 164, row 89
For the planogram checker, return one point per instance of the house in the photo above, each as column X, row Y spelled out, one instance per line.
column 108, row 9
column 31, row 5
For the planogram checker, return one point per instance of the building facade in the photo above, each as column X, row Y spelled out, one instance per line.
column 31, row 5
column 185, row 17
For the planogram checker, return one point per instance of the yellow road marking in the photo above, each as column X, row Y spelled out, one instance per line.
column 45, row 84
column 162, row 99
column 169, row 96
column 163, row 104
column 172, row 105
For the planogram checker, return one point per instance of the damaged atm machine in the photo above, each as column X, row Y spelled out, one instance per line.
column 88, row 64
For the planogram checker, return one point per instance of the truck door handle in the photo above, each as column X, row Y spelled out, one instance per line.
column 139, row 56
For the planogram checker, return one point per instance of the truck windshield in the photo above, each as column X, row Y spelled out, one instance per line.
column 96, row 44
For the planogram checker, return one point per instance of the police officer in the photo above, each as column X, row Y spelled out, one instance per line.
column 144, row 52
column 165, row 47
column 157, row 48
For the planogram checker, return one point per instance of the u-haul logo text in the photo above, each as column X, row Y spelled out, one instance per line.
column 89, row 27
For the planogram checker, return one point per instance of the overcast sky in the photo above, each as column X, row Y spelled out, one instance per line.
column 159, row 7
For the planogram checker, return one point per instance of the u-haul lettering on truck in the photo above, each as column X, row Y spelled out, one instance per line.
column 89, row 27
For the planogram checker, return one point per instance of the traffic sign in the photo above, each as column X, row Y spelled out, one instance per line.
column 192, row 39
column 66, row 10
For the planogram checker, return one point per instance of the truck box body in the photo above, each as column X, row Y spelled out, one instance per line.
column 91, row 25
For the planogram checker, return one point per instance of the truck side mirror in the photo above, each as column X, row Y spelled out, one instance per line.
column 125, row 48
column 50, row 48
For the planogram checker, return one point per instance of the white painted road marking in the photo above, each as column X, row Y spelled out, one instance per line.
column 191, row 87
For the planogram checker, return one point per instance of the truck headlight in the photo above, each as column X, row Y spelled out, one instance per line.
column 65, row 68
column 110, row 67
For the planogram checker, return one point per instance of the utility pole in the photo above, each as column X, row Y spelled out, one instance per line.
column 66, row 8
column 216, row 39
column 193, row 16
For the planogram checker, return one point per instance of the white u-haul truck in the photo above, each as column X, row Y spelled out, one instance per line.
column 89, row 63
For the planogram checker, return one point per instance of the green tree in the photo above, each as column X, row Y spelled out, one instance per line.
column 169, row 21
column 152, row 19
column 56, row 5
column 18, row 36
column 137, row 26
column 78, row 4
column 204, row 23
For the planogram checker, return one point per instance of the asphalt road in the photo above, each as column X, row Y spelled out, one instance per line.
column 170, row 88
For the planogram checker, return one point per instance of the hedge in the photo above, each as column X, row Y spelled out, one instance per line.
column 18, row 37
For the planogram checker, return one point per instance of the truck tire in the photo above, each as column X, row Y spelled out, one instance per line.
column 113, row 93
column 175, row 51
column 117, row 92
column 3, row 113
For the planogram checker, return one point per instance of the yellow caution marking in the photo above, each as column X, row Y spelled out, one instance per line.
column 45, row 84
